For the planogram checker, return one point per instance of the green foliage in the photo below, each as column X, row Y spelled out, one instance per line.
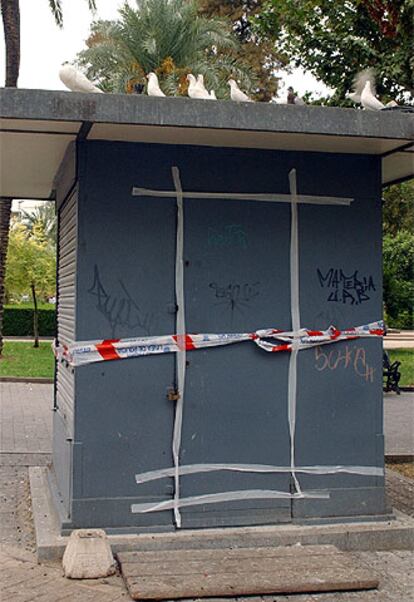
column 406, row 357
column 22, row 359
column 398, row 256
column 335, row 40
column 262, row 55
column 18, row 322
column 43, row 215
column 398, row 208
column 164, row 36
column 57, row 10
column 31, row 259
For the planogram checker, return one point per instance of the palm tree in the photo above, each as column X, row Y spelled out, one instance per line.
column 43, row 216
column 10, row 12
column 165, row 36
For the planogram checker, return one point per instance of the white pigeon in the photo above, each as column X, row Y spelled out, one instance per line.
column 367, row 75
column 368, row 99
column 75, row 80
column 153, row 87
column 236, row 94
column 196, row 88
column 200, row 84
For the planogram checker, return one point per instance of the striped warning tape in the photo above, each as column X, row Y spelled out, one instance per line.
column 87, row 352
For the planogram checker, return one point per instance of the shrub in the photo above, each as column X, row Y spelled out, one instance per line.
column 18, row 322
column 398, row 255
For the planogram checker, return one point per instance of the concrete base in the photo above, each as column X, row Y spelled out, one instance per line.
column 397, row 533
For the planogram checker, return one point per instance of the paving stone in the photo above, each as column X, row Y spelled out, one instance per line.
column 25, row 409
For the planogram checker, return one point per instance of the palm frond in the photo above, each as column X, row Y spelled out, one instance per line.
column 56, row 8
column 166, row 36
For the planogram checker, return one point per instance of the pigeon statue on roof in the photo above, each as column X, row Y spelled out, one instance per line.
column 75, row 80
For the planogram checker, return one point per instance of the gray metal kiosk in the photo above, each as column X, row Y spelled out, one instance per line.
column 204, row 218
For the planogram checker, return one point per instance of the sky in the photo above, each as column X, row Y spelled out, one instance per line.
column 44, row 47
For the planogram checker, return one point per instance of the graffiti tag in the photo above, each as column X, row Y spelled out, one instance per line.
column 345, row 357
column 235, row 295
column 232, row 235
column 353, row 289
column 119, row 310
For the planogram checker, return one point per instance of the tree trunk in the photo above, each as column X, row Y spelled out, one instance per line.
column 10, row 12
column 5, row 209
column 35, row 317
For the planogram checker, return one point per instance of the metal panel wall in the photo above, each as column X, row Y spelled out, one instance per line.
column 235, row 403
column 68, row 231
column 63, row 424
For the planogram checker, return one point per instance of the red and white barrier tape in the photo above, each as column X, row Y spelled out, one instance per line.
column 88, row 352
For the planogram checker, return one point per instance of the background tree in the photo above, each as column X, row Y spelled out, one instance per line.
column 10, row 12
column 31, row 267
column 260, row 54
column 398, row 254
column 335, row 40
column 43, row 217
column 398, row 208
column 167, row 37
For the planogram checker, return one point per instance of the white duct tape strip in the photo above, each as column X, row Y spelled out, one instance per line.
column 246, row 196
column 295, row 315
column 190, row 469
column 226, row 496
column 181, row 341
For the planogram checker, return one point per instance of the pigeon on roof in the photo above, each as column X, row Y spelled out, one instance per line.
column 196, row 88
column 293, row 98
column 153, row 88
column 236, row 94
column 368, row 99
column 361, row 78
column 75, row 80
column 364, row 92
column 200, row 84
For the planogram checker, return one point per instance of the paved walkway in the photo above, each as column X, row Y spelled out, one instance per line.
column 403, row 339
column 399, row 424
column 25, row 413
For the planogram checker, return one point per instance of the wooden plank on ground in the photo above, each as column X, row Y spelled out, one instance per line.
column 242, row 572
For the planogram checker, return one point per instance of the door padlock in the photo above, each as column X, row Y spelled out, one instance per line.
column 173, row 394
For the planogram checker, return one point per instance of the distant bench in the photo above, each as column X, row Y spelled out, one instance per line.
column 391, row 374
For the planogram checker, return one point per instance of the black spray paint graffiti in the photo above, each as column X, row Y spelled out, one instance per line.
column 352, row 289
column 122, row 310
column 234, row 295
column 232, row 235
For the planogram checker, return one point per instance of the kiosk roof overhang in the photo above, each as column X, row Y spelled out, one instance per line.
column 37, row 125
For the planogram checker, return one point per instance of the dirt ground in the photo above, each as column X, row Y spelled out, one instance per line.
column 404, row 468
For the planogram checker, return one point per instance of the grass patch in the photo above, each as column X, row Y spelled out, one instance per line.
column 29, row 305
column 22, row 359
column 406, row 357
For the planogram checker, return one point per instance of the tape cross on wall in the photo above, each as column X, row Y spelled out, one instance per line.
column 81, row 353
